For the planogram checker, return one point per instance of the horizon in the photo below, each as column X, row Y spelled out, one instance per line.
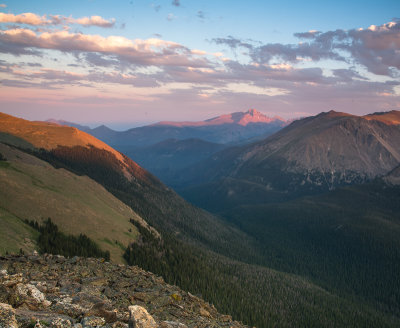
column 143, row 62
column 127, row 126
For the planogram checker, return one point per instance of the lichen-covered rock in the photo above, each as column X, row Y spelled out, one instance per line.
column 140, row 318
column 60, row 323
column 172, row 324
column 64, row 304
column 29, row 295
column 7, row 316
column 89, row 322
column 10, row 280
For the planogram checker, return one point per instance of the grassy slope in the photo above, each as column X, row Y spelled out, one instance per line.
column 15, row 234
column 75, row 203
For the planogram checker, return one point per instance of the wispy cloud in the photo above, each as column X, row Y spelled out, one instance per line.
column 171, row 17
column 156, row 7
column 36, row 20
column 201, row 14
column 2, row 5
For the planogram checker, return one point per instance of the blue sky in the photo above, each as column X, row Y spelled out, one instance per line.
column 144, row 61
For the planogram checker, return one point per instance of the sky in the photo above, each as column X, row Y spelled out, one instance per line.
column 136, row 62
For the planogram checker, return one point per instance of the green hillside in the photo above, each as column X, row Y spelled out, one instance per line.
column 32, row 189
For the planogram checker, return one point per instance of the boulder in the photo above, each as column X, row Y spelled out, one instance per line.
column 140, row 318
column 29, row 295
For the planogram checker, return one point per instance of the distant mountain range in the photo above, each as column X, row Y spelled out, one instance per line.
column 224, row 129
column 165, row 148
column 317, row 153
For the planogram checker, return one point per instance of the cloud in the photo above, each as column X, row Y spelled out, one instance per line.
column 307, row 35
column 347, row 75
column 171, row 17
column 45, row 76
column 17, row 49
column 36, row 20
column 156, row 7
column 377, row 48
column 139, row 52
column 2, row 5
column 26, row 18
column 98, row 60
column 232, row 42
column 26, row 84
column 32, row 64
column 92, row 21
column 176, row 3
column 201, row 14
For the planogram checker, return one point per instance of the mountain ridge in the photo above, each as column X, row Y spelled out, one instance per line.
column 325, row 150
column 239, row 118
column 226, row 129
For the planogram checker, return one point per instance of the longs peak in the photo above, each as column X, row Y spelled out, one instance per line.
column 239, row 118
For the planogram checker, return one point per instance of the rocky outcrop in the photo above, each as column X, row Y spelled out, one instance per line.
column 53, row 291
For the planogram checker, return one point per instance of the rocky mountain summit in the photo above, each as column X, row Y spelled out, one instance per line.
column 54, row 291
column 239, row 118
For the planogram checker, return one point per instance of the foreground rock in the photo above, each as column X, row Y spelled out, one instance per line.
column 53, row 291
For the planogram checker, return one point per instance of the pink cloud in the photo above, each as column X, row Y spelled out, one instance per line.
column 26, row 18
column 36, row 20
column 94, row 21
column 141, row 52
